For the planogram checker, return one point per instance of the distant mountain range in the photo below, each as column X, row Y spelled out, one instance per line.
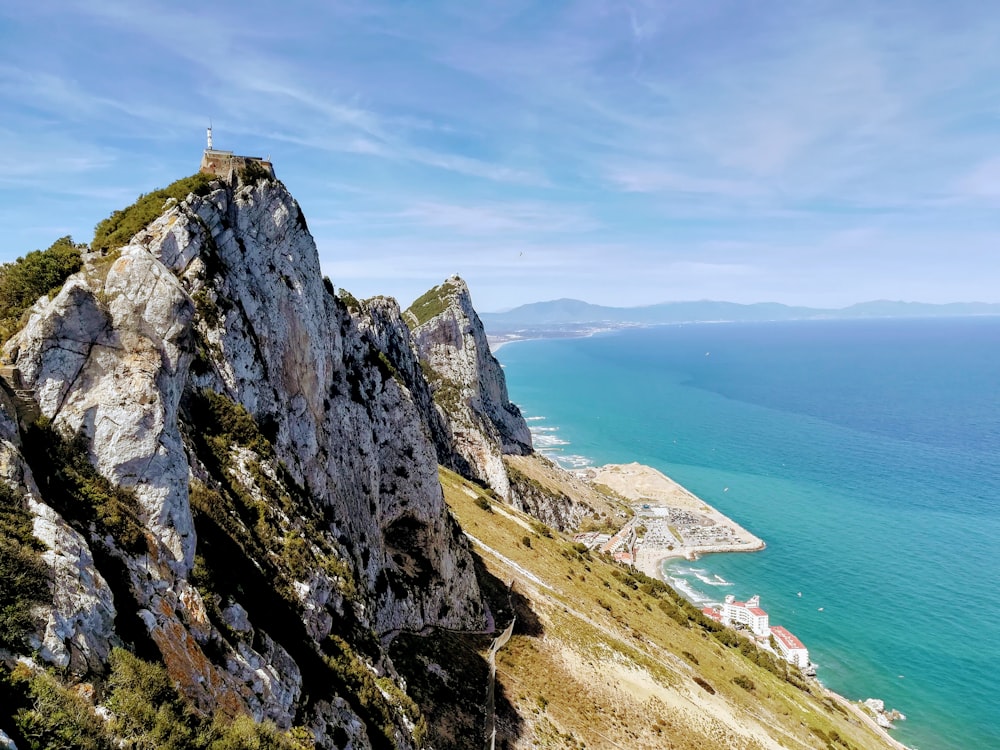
column 573, row 312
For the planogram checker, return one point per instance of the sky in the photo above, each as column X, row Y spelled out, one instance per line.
column 622, row 152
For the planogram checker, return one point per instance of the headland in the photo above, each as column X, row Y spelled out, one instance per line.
column 668, row 520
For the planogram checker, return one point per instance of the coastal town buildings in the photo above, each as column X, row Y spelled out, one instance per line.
column 750, row 616
column 790, row 647
column 746, row 613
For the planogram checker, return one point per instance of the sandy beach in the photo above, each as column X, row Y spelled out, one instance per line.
column 669, row 520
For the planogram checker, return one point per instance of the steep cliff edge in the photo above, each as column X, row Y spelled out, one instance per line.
column 275, row 493
column 467, row 382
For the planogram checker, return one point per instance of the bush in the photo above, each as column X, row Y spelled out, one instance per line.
column 704, row 685
column 254, row 171
column 151, row 713
column 349, row 299
column 483, row 503
column 116, row 230
column 526, row 541
column 148, row 710
column 744, row 682
column 72, row 485
column 55, row 717
column 26, row 279
column 22, row 570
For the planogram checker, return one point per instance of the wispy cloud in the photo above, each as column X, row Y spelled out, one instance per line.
column 635, row 148
column 498, row 217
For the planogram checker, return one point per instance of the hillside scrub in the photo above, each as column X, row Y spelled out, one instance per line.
column 26, row 279
column 116, row 230
column 615, row 648
column 22, row 570
column 71, row 485
column 430, row 304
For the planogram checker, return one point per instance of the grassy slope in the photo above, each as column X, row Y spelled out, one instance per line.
column 596, row 663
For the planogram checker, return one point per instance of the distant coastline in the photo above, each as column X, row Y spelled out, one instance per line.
column 499, row 340
column 499, row 334
column 573, row 317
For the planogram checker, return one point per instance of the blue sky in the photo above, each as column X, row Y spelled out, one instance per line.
column 618, row 151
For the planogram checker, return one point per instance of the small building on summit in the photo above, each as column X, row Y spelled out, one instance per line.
column 746, row 613
column 790, row 647
column 225, row 164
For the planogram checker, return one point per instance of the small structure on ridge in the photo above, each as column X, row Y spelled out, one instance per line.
column 225, row 164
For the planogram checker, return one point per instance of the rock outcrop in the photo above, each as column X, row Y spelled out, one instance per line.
column 468, row 383
column 211, row 377
column 537, row 488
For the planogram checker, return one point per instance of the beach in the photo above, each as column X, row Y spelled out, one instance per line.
column 669, row 520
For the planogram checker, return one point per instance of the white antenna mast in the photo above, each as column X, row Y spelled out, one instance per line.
column 209, row 135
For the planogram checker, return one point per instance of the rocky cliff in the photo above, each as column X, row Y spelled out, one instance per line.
column 233, row 480
column 468, row 383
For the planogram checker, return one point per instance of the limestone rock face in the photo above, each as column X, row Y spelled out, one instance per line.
column 77, row 631
column 550, row 505
column 381, row 322
column 468, row 382
column 223, row 295
column 109, row 356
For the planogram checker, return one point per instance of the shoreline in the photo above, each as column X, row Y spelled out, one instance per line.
column 675, row 522
column 651, row 489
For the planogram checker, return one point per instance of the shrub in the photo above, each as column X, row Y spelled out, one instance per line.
column 744, row 682
column 704, row 685
column 541, row 529
column 526, row 541
column 72, row 485
column 253, row 171
column 483, row 503
column 349, row 299
column 26, row 279
column 55, row 717
column 116, row 230
column 150, row 712
column 22, row 570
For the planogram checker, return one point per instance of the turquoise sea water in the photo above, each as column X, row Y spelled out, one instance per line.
column 865, row 453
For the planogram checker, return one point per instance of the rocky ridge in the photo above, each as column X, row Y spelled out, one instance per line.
column 207, row 372
column 468, row 383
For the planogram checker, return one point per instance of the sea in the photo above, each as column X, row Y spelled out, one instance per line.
column 866, row 454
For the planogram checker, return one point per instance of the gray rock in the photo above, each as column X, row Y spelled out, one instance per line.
column 225, row 292
column 469, row 385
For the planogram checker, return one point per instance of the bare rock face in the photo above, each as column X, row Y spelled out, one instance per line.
column 77, row 630
column 109, row 356
column 381, row 322
column 468, row 382
column 210, row 372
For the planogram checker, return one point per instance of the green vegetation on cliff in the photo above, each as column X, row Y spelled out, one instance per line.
column 70, row 484
column 259, row 532
column 26, row 279
column 41, row 713
column 24, row 576
column 430, row 304
column 116, row 230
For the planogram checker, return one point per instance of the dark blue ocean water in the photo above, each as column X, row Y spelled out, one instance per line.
column 865, row 453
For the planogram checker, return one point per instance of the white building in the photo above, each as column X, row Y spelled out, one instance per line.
column 746, row 613
column 790, row 647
